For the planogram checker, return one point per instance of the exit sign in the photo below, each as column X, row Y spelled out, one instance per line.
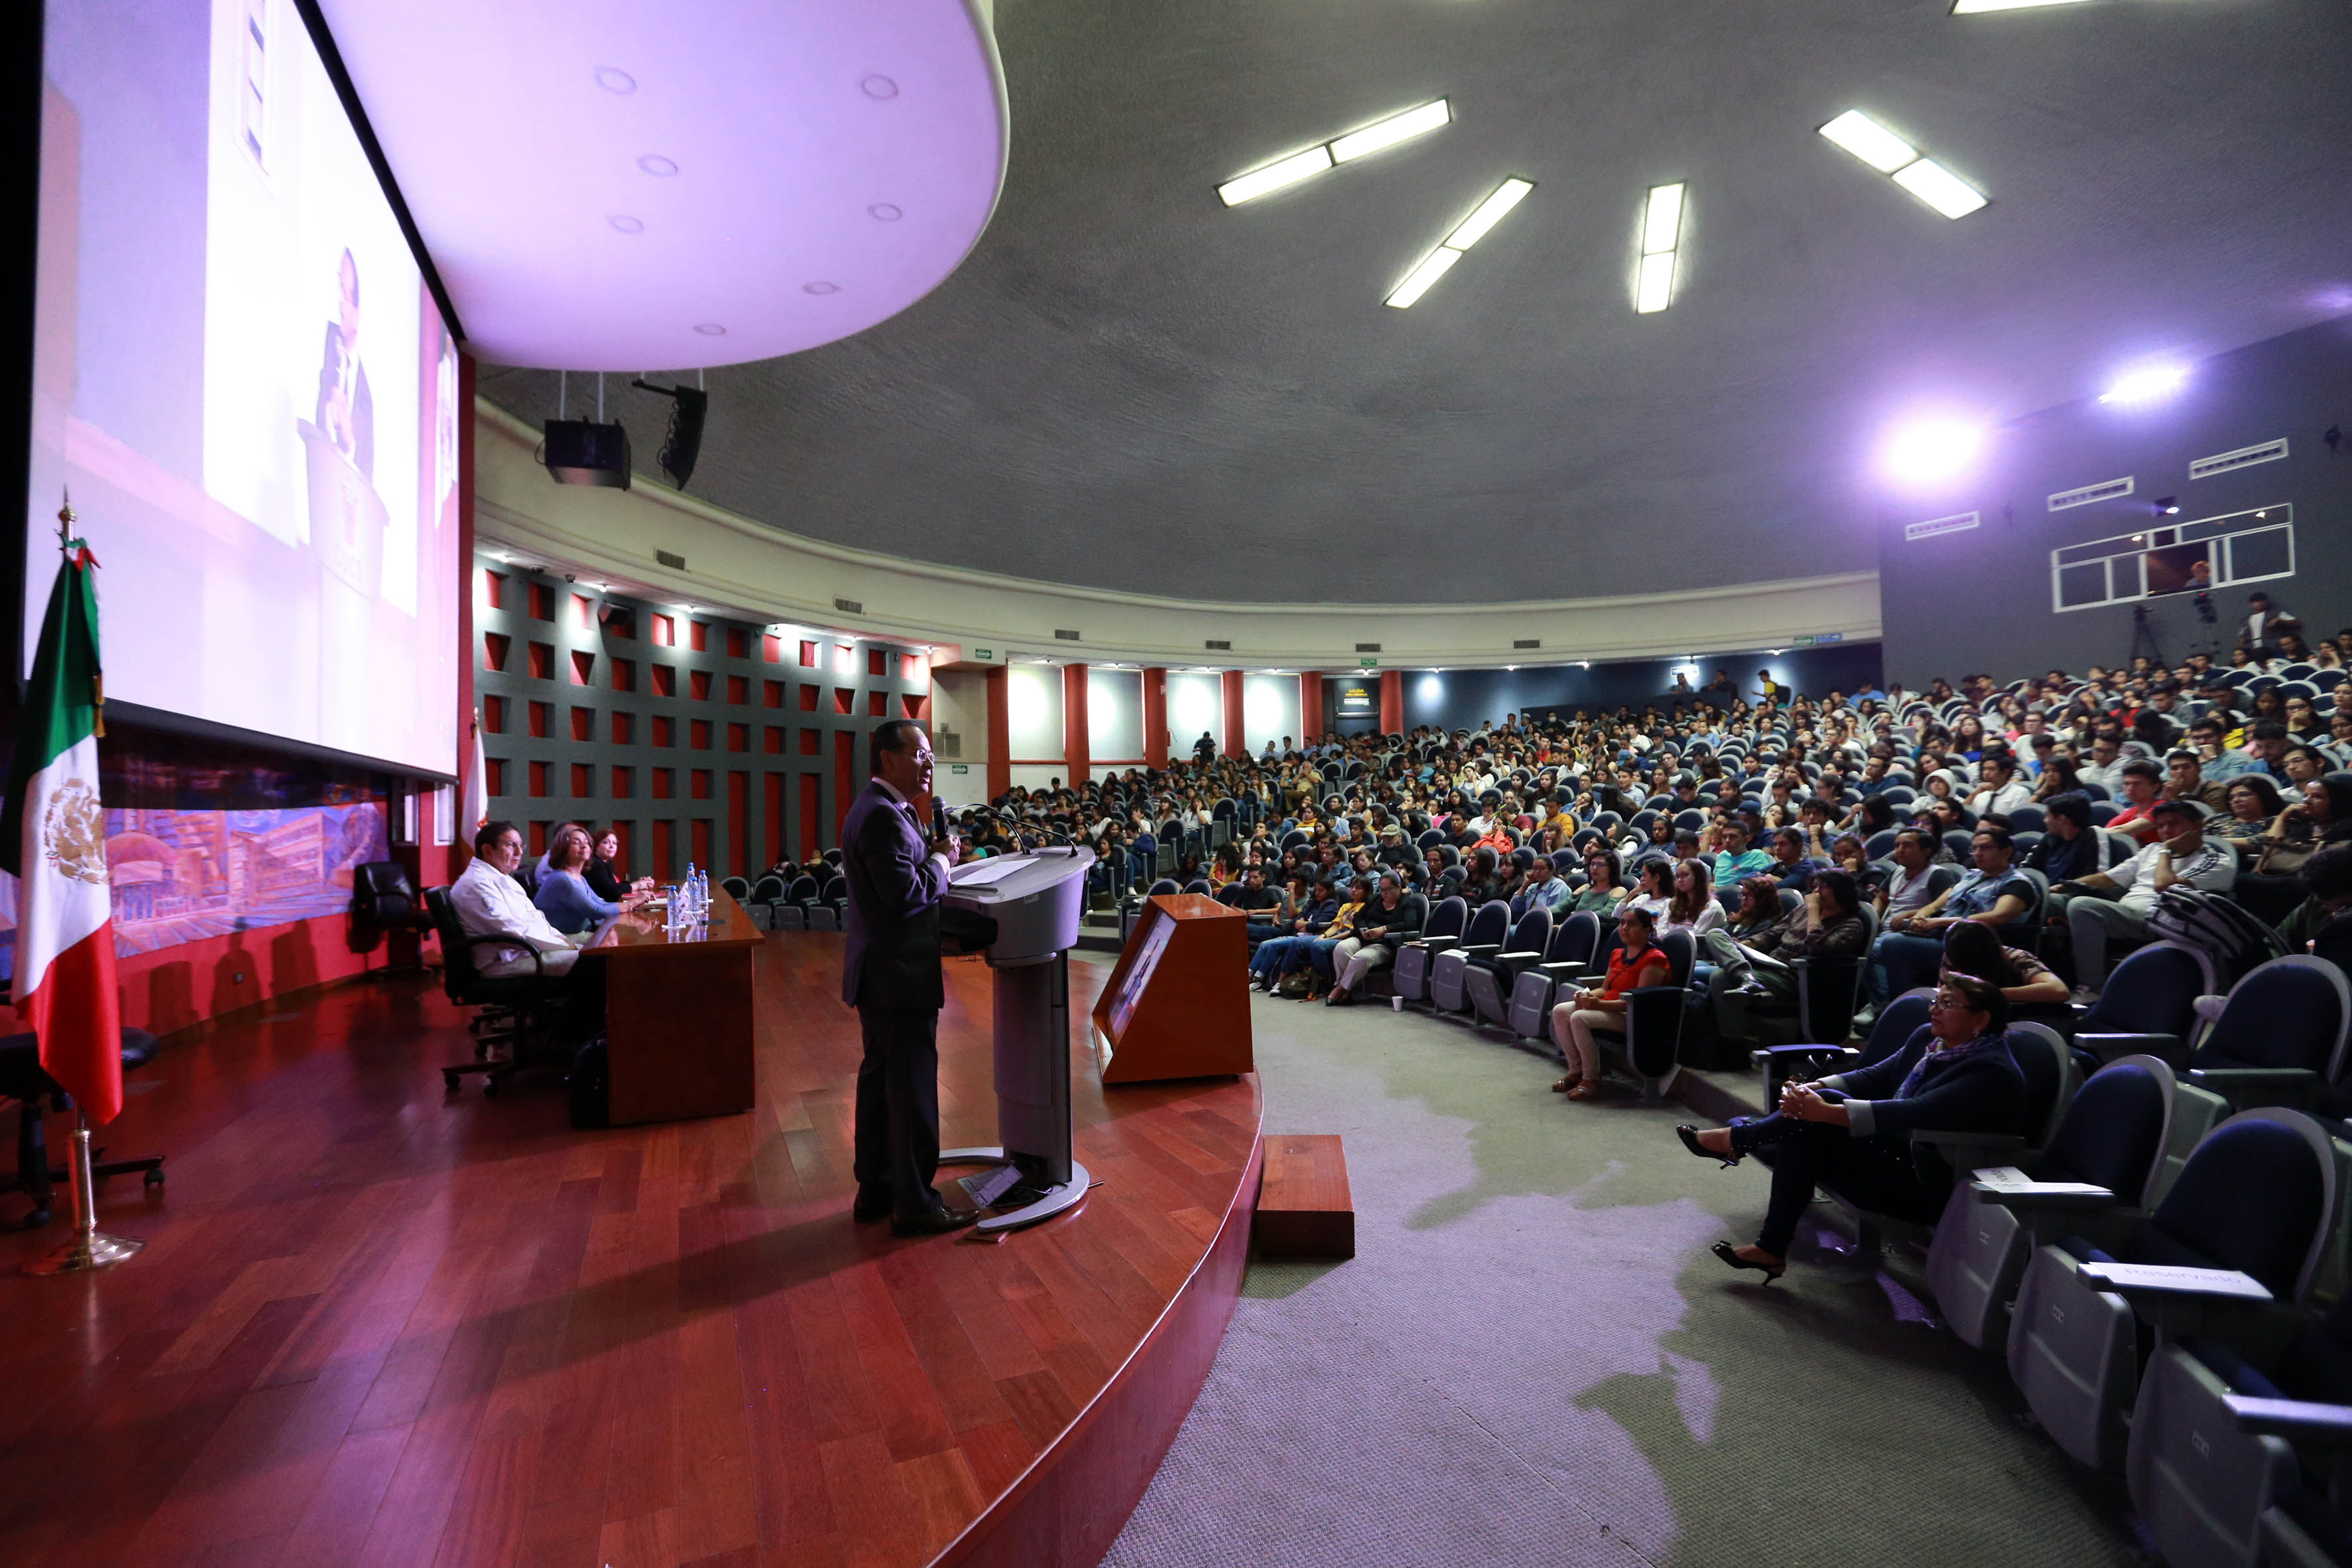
column 981, row 653
column 958, row 767
column 1804, row 642
column 1369, row 663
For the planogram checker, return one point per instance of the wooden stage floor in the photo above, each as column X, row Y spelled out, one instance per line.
column 379, row 1326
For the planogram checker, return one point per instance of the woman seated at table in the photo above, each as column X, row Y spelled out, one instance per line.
column 565, row 896
column 1853, row 1132
column 604, row 875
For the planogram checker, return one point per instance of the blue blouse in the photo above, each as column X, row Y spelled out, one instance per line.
column 565, row 899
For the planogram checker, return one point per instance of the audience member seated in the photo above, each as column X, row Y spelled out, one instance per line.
column 1285, row 953
column 1751, row 971
column 1635, row 961
column 2326, row 880
column 1732, row 857
column 1851, row 1132
column 2323, row 815
column 2142, row 784
column 2027, row 983
column 1341, row 926
column 1693, row 907
column 1603, row 891
column 1992, row 894
column 1381, row 927
column 2179, row 856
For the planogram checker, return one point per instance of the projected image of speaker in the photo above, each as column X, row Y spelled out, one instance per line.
column 582, row 452
column 684, row 442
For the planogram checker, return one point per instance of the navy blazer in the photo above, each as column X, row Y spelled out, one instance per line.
column 892, row 959
column 1982, row 1093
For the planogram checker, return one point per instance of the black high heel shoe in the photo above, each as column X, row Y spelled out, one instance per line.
column 1690, row 1135
column 1723, row 1249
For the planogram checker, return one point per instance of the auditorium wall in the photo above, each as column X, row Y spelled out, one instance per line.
column 695, row 737
column 1461, row 698
column 1978, row 595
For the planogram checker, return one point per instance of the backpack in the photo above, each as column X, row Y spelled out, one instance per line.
column 2212, row 923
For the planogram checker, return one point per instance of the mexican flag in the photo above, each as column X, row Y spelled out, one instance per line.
column 53, row 840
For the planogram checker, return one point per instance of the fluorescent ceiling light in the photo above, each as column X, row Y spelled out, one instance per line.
column 1939, row 188
column 1963, row 7
column 1491, row 211
column 1388, row 132
column 2149, row 383
column 1275, row 176
column 1653, row 289
column 1662, row 222
column 1416, row 282
column 1869, row 141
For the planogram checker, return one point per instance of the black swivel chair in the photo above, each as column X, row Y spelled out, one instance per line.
column 513, row 1010
column 384, row 900
column 23, row 1079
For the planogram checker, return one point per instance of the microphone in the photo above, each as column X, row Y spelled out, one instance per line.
column 939, row 819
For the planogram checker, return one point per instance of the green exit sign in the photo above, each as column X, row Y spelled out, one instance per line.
column 958, row 767
column 1803, row 642
column 1369, row 663
column 982, row 653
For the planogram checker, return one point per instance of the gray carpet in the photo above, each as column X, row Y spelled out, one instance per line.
column 1533, row 1360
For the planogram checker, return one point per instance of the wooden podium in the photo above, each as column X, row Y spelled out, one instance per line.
column 1178, row 1003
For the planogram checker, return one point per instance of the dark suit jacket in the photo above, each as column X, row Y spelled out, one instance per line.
column 893, row 956
column 362, row 401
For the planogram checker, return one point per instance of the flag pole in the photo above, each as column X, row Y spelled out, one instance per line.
column 90, row 1247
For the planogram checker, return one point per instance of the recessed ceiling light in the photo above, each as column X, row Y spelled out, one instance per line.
column 1388, row 132
column 1417, row 281
column 1653, row 286
column 710, row 329
column 656, row 165
column 1869, row 141
column 627, row 225
column 1275, row 176
column 820, row 288
column 879, row 87
column 1932, row 451
column 1489, row 213
column 885, row 212
column 1939, row 188
column 612, row 78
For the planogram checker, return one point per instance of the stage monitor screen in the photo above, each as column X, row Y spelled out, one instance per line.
column 241, row 377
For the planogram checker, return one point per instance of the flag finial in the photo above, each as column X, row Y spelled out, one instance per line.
column 65, row 518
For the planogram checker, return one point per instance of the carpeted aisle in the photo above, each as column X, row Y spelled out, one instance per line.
column 1533, row 1360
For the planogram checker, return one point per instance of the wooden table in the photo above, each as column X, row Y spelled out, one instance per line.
column 678, row 1014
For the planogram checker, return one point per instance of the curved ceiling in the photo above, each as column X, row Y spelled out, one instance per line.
column 606, row 186
column 1128, row 385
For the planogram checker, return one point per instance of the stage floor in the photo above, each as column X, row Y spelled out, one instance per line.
column 378, row 1325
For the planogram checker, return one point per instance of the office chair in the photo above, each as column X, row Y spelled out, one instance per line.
column 23, row 1079
column 509, row 1009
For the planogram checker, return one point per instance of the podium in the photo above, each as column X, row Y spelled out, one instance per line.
column 1178, row 1003
column 1034, row 902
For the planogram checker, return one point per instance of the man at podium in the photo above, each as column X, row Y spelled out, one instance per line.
column 891, row 974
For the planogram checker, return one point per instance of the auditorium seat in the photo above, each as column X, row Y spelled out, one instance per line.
column 2279, row 1038
column 2262, row 1196
column 1489, row 978
column 1442, row 930
column 2150, row 1005
column 2127, row 1133
column 1574, row 949
column 1488, row 933
column 2229, row 1430
column 791, row 911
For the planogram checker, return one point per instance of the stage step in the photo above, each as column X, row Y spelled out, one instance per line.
column 1303, row 1206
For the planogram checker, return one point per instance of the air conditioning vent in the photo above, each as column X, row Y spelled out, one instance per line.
column 849, row 606
column 1936, row 525
column 1066, row 636
column 2111, row 490
column 948, row 743
column 675, row 563
column 1219, row 645
column 1528, row 642
column 2243, row 457
column 1367, row 648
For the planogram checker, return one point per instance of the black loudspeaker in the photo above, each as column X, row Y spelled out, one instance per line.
column 683, row 444
column 582, row 452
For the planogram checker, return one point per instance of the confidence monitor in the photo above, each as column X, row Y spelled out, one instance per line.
column 1034, row 902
